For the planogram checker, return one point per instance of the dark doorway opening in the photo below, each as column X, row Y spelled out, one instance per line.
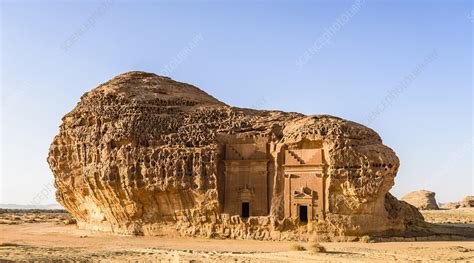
column 303, row 213
column 245, row 210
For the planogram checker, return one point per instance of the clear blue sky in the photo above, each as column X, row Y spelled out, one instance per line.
column 249, row 55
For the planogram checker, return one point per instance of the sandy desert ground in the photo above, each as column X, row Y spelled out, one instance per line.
column 48, row 238
column 451, row 216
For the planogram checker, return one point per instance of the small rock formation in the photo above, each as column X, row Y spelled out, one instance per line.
column 450, row 205
column 423, row 200
column 467, row 201
column 143, row 154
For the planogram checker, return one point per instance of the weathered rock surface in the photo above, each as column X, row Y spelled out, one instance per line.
column 423, row 199
column 143, row 154
column 467, row 201
column 450, row 205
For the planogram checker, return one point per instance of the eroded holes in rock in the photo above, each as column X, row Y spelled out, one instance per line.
column 189, row 170
column 112, row 177
column 298, row 184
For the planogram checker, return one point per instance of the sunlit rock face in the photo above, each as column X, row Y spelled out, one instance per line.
column 467, row 201
column 143, row 154
column 422, row 199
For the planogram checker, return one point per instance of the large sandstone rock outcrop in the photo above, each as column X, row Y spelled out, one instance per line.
column 423, row 199
column 143, row 154
column 467, row 201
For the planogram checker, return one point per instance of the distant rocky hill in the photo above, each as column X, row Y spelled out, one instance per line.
column 449, row 205
column 44, row 207
column 422, row 199
column 467, row 201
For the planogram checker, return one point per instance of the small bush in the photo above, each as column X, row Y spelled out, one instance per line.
column 297, row 247
column 70, row 221
column 317, row 248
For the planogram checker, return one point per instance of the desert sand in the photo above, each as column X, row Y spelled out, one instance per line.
column 47, row 238
column 450, row 216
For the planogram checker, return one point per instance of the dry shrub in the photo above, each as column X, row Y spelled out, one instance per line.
column 70, row 221
column 297, row 247
column 315, row 247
